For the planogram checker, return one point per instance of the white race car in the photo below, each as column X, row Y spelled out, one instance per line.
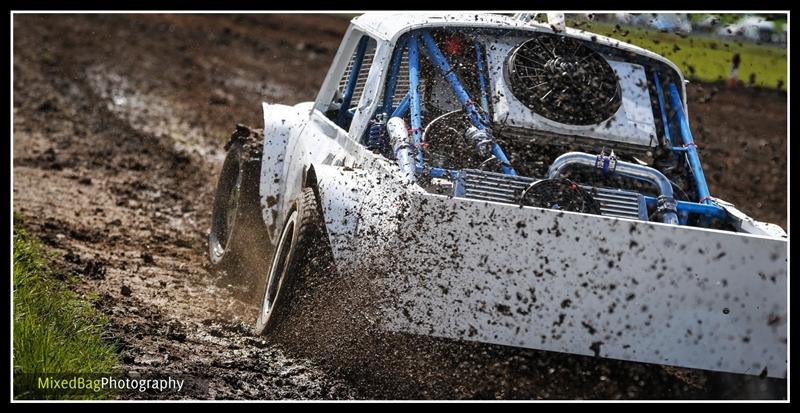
column 513, row 182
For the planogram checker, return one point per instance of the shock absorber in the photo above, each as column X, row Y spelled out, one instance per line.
column 377, row 138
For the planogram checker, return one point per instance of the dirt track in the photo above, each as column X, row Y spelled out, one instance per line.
column 119, row 125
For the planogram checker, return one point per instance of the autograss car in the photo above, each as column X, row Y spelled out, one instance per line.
column 509, row 182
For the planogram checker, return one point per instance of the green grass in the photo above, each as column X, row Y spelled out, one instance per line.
column 56, row 331
column 705, row 58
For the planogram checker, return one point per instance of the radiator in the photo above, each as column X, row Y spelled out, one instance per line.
column 497, row 187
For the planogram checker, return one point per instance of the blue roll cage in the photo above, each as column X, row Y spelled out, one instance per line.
column 676, row 124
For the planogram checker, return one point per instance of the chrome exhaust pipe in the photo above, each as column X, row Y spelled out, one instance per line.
column 402, row 147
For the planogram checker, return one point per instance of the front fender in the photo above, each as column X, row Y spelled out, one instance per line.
column 282, row 125
column 362, row 208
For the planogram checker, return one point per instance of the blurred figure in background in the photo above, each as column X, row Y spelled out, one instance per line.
column 732, row 77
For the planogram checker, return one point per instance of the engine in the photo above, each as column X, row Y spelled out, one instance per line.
column 548, row 120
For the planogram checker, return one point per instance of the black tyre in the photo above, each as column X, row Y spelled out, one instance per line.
column 238, row 239
column 303, row 238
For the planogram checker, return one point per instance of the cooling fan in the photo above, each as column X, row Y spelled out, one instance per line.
column 564, row 80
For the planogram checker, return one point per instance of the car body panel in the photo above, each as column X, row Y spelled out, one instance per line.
column 468, row 269
column 562, row 281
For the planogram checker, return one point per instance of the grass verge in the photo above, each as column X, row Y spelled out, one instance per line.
column 703, row 57
column 56, row 331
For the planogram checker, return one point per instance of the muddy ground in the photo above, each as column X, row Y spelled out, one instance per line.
column 119, row 123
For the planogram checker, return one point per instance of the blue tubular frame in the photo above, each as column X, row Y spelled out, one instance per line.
column 481, row 79
column 438, row 59
column 664, row 120
column 684, row 208
column 439, row 172
column 352, row 80
column 414, row 101
column 688, row 142
column 402, row 108
column 394, row 69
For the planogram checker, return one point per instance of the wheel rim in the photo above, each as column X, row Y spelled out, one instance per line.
column 226, row 205
column 232, row 205
column 277, row 269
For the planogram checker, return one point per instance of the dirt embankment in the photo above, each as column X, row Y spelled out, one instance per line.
column 119, row 123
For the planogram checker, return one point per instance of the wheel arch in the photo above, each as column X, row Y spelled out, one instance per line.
column 282, row 126
column 310, row 180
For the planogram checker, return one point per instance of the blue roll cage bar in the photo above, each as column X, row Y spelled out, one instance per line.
column 411, row 102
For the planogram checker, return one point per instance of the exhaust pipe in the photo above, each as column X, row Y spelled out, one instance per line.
column 667, row 206
column 402, row 147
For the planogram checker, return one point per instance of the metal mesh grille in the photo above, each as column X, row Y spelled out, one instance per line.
column 369, row 55
column 402, row 80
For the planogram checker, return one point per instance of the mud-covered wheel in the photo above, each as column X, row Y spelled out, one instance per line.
column 238, row 237
column 303, row 238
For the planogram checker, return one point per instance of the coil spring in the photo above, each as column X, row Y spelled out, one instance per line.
column 377, row 139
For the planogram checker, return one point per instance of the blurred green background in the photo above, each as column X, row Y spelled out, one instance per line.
column 702, row 45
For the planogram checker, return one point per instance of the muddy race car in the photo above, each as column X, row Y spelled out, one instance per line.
column 509, row 182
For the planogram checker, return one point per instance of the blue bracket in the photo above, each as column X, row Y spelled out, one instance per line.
column 352, row 80
column 684, row 208
column 434, row 172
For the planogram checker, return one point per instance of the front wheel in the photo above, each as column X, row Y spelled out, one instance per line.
column 238, row 237
column 302, row 238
